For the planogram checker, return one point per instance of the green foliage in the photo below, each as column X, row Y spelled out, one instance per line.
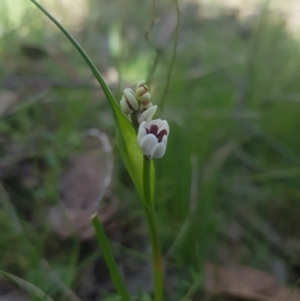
column 32, row 289
column 235, row 81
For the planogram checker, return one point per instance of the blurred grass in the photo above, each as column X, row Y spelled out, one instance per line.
column 233, row 106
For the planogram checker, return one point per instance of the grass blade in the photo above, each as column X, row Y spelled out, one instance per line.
column 28, row 286
column 109, row 259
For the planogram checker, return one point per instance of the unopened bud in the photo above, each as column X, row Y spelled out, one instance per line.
column 146, row 105
column 129, row 103
column 142, row 92
column 145, row 98
column 141, row 83
column 146, row 114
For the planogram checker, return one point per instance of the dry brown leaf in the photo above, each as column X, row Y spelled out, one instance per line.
column 246, row 284
column 83, row 185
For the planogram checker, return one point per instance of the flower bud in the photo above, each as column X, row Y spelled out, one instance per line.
column 129, row 103
column 145, row 98
column 146, row 114
column 146, row 106
column 142, row 92
column 153, row 137
column 142, row 84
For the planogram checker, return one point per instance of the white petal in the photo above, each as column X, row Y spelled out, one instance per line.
column 140, row 91
column 129, row 91
column 142, row 126
column 164, row 126
column 142, row 133
column 165, row 140
column 161, row 124
column 147, row 106
column 147, row 114
column 124, row 107
column 158, row 151
column 148, row 143
column 129, row 94
column 140, row 83
column 157, row 122
column 145, row 97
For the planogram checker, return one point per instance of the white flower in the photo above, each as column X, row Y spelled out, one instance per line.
column 129, row 103
column 153, row 137
column 146, row 114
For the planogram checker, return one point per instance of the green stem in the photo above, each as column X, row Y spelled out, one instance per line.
column 150, row 215
column 147, row 181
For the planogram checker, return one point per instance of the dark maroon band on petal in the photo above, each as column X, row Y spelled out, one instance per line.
column 161, row 135
column 129, row 105
column 154, row 129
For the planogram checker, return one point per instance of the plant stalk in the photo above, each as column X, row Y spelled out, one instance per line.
column 150, row 215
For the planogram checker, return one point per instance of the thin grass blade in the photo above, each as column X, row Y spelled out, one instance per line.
column 109, row 259
column 34, row 290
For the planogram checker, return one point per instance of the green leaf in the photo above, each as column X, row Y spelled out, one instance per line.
column 125, row 133
column 109, row 259
column 28, row 286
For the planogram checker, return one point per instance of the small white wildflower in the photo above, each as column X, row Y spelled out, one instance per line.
column 153, row 137
column 129, row 103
